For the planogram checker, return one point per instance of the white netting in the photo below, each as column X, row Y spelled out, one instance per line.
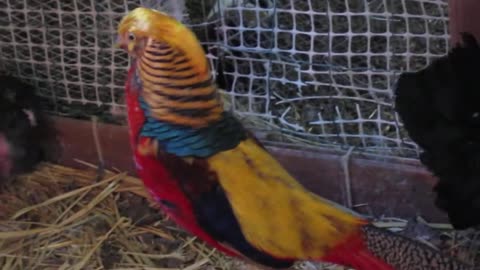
column 318, row 70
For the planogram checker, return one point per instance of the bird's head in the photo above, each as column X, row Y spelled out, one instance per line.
column 142, row 24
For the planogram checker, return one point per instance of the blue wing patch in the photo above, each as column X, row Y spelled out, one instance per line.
column 185, row 141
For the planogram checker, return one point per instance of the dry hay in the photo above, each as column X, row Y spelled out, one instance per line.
column 63, row 218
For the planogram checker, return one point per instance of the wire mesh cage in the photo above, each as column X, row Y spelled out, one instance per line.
column 321, row 72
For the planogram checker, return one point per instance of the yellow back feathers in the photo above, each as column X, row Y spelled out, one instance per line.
column 149, row 23
column 276, row 213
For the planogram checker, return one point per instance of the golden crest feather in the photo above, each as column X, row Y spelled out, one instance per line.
column 161, row 27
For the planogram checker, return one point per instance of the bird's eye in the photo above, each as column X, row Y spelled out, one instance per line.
column 131, row 36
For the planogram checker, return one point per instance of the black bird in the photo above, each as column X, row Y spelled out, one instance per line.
column 440, row 110
column 27, row 136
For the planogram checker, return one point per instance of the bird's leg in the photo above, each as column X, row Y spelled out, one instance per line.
column 344, row 160
column 98, row 147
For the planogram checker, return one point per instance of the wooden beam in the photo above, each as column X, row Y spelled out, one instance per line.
column 391, row 187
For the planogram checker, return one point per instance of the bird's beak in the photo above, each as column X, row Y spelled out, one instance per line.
column 131, row 47
column 120, row 44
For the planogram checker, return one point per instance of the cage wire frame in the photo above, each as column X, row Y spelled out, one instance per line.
column 315, row 72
